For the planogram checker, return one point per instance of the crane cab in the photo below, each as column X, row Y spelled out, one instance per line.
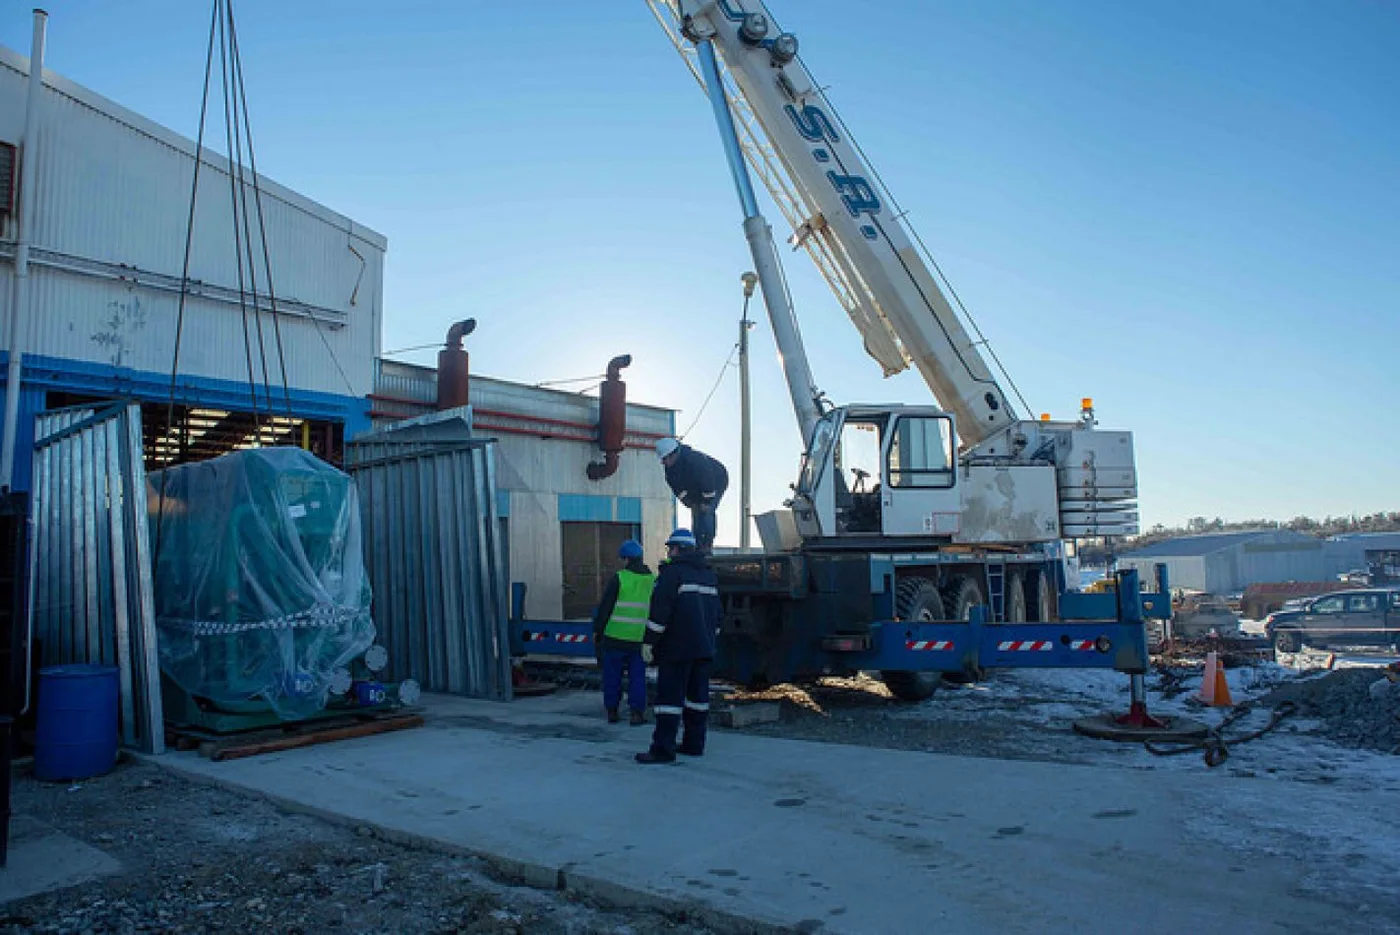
column 874, row 471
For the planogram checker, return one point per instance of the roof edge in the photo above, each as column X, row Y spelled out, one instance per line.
column 162, row 134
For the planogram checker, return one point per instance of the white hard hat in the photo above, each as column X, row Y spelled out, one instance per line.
column 665, row 447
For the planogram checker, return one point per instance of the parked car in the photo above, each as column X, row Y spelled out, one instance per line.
column 1368, row 617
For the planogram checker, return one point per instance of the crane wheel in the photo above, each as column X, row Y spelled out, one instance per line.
column 917, row 600
column 1040, row 597
column 1015, row 603
column 960, row 595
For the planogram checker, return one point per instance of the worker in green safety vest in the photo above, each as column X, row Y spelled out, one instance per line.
column 619, row 626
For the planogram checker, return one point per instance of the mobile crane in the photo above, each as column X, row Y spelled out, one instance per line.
column 928, row 539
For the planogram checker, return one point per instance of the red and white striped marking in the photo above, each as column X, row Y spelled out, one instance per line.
column 571, row 638
column 929, row 646
column 532, row 636
column 1026, row 646
column 1082, row 646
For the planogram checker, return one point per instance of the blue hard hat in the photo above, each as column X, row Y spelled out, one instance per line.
column 630, row 549
column 682, row 537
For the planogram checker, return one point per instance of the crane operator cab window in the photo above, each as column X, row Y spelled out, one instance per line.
column 858, row 475
column 921, row 452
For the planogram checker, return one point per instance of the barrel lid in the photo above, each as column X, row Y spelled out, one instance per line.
column 77, row 670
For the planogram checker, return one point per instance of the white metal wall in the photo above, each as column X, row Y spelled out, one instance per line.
column 535, row 472
column 112, row 201
column 1183, row 571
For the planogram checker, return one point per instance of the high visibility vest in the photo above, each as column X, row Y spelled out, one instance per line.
column 629, row 617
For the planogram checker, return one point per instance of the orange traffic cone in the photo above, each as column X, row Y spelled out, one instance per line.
column 1215, row 691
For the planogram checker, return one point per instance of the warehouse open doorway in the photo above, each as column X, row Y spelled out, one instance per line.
column 191, row 432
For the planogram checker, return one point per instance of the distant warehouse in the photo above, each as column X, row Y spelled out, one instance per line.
column 107, row 239
column 1228, row 562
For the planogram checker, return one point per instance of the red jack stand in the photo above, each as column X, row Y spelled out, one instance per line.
column 522, row 686
column 1137, row 725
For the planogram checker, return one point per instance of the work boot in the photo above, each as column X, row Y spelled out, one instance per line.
column 653, row 757
column 638, row 718
column 612, row 716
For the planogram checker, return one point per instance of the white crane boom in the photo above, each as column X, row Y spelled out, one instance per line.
column 829, row 195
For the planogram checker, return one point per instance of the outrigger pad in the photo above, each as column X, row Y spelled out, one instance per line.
column 1110, row 727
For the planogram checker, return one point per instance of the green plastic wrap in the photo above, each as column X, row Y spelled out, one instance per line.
column 260, row 585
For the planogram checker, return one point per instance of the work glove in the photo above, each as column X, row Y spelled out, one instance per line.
column 647, row 654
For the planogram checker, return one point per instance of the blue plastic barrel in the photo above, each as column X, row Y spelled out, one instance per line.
column 77, row 722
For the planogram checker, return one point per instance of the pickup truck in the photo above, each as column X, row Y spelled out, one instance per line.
column 1369, row 617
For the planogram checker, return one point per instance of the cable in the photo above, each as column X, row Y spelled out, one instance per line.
column 900, row 212
column 185, row 274
column 596, row 376
column 719, row 379
column 241, row 201
column 233, row 195
column 416, row 347
column 241, row 92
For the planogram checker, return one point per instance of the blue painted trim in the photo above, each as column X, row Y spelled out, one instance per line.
column 503, row 503
column 629, row 510
column 43, row 374
column 585, row 508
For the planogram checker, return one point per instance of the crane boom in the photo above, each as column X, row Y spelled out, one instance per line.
column 824, row 188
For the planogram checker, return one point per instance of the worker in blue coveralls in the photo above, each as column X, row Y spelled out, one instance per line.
column 619, row 624
column 699, row 482
column 680, row 639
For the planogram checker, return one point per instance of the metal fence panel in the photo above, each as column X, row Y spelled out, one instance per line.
column 432, row 543
column 91, row 599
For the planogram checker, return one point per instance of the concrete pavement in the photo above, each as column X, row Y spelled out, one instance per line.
column 852, row 839
column 41, row 859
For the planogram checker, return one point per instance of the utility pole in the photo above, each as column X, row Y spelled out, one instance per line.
column 745, row 513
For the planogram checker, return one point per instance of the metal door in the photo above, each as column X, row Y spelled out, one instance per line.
column 590, row 559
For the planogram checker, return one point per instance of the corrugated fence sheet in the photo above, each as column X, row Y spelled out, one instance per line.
column 91, row 598
column 432, row 547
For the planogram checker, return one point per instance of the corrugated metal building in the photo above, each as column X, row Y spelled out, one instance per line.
column 1225, row 563
column 108, row 237
column 1354, row 551
column 562, row 529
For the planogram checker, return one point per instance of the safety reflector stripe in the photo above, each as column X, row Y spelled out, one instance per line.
column 666, row 709
column 936, row 646
column 1082, row 646
column 633, row 604
column 697, row 705
column 1026, row 646
column 655, row 627
column 532, row 637
column 571, row 638
column 699, row 589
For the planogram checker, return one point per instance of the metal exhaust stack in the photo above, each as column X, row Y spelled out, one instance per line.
column 612, row 419
column 453, row 369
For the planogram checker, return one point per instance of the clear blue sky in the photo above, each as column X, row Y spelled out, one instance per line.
column 1189, row 211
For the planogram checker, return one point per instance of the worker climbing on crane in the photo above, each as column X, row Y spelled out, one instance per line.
column 680, row 639
column 619, row 625
column 698, row 481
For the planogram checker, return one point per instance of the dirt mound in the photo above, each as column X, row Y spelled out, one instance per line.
column 1344, row 702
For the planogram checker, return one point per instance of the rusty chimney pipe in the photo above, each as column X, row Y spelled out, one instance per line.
column 453, row 372
column 612, row 419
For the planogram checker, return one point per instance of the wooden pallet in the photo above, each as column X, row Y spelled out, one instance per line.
column 291, row 736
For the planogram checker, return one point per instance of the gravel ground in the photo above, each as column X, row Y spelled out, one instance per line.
column 1360, row 707
column 198, row 858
